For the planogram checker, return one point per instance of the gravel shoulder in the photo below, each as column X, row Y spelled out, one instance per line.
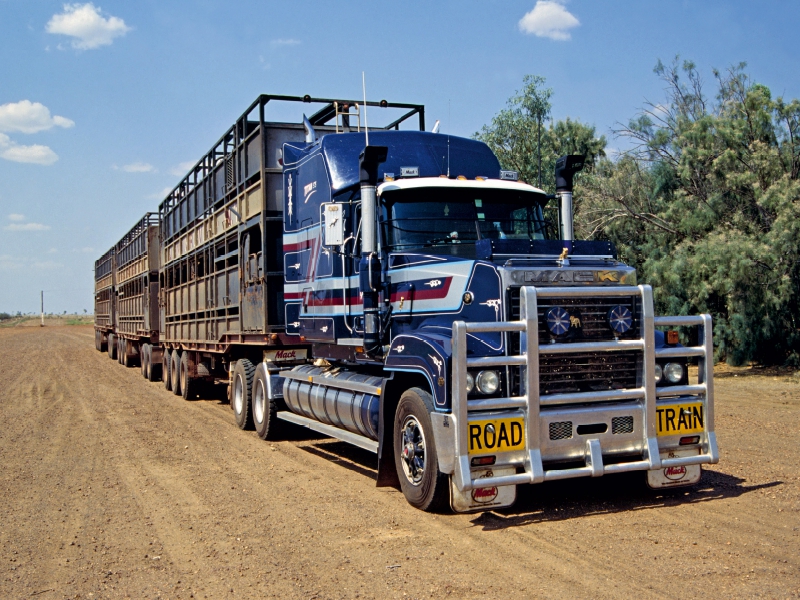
column 112, row 487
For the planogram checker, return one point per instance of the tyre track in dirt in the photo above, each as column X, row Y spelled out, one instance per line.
column 145, row 494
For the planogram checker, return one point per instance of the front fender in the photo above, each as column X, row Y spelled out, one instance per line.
column 427, row 354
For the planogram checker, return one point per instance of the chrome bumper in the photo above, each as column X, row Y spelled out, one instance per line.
column 640, row 403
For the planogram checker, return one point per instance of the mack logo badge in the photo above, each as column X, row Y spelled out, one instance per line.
column 284, row 355
column 574, row 321
column 675, row 473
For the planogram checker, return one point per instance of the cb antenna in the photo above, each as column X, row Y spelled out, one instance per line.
column 448, row 139
column 364, row 89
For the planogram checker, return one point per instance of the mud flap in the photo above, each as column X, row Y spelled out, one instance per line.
column 484, row 498
column 675, row 476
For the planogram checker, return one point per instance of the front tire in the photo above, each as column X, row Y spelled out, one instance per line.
column 241, row 392
column 415, row 457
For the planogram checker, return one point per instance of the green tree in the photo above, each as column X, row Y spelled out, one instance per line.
column 523, row 142
column 706, row 205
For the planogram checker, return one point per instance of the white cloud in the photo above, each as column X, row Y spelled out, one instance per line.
column 46, row 265
column 160, row 195
column 26, row 227
column 37, row 154
column 16, row 217
column 285, row 42
column 30, row 117
column 85, row 23
column 549, row 19
column 139, row 167
column 182, row 169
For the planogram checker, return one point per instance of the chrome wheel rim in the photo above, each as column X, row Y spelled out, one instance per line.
column 258, row 402
column 238, row 401
column 412, row 450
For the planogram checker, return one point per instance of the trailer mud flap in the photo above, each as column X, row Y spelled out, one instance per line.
column 487, row 498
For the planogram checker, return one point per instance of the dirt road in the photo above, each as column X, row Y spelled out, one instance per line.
column 111, row 487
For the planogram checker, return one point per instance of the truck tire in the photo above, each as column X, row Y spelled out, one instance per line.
column 144, row 359
column 153, row 369
column 103, row 343
column 241, row 391
column 166, row 369
column 188, row 383
column 128, row 359
column 175, row 372
column 112, row 346
column 264, row 409
column 120, row 349
column 416, row 461
column 97, row 340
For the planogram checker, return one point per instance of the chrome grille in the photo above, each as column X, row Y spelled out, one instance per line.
column 593, row 314
column 622, row 425
column 561, row 430
column 584, row 372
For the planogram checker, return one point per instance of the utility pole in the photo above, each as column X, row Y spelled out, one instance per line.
column 42, row 325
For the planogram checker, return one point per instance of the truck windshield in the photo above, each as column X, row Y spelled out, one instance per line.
column 427, row 217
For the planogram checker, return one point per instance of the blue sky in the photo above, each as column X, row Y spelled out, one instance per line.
column 103, row 105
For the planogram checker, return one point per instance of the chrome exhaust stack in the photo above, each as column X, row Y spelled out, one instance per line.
column 370, row 265
column 566, row 167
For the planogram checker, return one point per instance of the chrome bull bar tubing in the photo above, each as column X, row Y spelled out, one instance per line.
column 530, row 401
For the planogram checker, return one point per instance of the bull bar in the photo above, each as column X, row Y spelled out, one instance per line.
column 530, row 400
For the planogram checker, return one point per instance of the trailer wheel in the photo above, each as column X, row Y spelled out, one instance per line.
column 112, row 346
column 264, row 408
column 120, row 350
column 416, row 461
column 103, row 343
column 188, row 383
column 241, row 393
column 97, row 340
column 175, row 372
column 128, row 359
column 166, row 369
column 144, row 359
column 153, row 369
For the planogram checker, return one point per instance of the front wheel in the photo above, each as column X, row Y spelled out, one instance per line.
column 264, row 408
column 416, row 461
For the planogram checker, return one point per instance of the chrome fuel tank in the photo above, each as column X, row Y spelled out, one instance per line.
column 336, row 398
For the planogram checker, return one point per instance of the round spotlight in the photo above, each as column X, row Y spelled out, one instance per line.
column 470, row 383
column 673, row 372
column 487, row 382
column 620, row 319
column 557, row 320
column 659, row 373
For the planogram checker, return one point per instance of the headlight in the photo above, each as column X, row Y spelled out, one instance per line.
column 470, row 382
column 659, row 373
column 673, row 372
column 487, row 382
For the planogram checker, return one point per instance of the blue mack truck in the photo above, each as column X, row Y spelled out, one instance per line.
column 468, row 341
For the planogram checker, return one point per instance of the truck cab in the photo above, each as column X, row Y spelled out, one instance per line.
column 466, row 338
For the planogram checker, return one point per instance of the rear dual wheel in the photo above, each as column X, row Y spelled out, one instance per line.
column 241, row 391
column 112, row 346
column 166, row 369
column 174, row 372
column 144, row 359
column 188, row 382
column 264, row 408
